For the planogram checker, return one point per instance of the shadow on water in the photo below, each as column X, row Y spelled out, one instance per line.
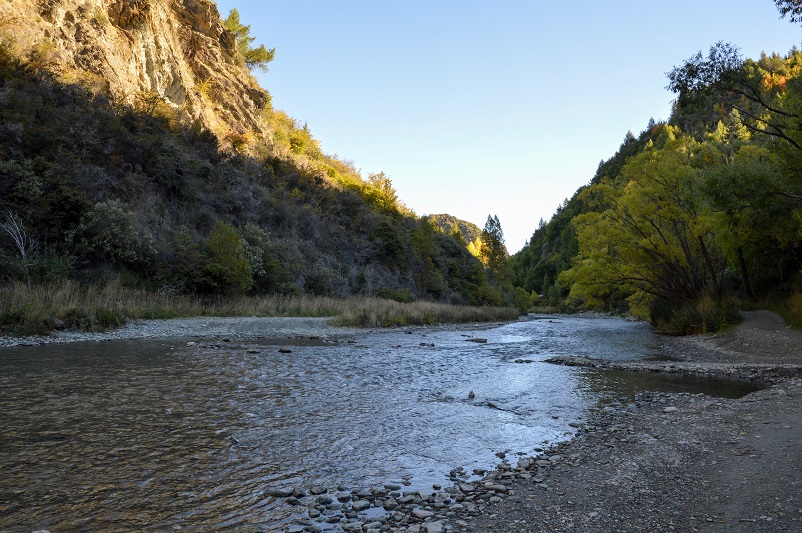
column 608, row 385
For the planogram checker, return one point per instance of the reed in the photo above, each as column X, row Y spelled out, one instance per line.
column 71, row 305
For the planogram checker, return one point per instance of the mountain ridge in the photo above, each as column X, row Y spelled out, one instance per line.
column 177, row 50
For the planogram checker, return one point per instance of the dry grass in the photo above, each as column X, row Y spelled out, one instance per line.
column 39, row 309
column 375, row 312
column 787, row 306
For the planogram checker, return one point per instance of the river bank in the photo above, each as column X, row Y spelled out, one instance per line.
column 679, row 462
column 658, row 462
column 233, row 328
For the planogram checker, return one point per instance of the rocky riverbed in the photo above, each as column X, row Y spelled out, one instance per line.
column 678, row 462
column 658, row 462
column 232, row 328
column 663, row 462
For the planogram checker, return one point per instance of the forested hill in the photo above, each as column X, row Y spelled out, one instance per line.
column 695, row 217
column 136, row 146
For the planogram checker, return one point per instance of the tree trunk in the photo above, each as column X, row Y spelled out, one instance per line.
column 709, row 264
column 745, row 275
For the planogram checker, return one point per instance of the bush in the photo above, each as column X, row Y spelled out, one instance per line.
column 399, row 295
column 226, row 264
column 692, row 318
column 109, row 230
column 522, row 300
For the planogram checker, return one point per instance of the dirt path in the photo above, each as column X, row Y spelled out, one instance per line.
column 763, row 337
column 678, row 462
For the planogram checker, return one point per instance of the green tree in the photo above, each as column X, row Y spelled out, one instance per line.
column 109, row 231
column 456, row 234
column 185, row 266
column 766, row 94
column 226, row 263
column 383, row 193
column 758, row 229
column 493, row 251
column 652, row 240
column 253, row 57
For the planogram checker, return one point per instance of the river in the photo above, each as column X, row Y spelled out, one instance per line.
column 156, row 434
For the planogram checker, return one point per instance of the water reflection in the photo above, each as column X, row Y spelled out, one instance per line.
column 611, row 385
column 150, row 435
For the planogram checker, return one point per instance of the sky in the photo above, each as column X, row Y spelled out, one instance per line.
column 502, row 107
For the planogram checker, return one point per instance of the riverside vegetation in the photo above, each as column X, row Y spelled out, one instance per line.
column 696, row 216
column 203, row 191
column 114, row 208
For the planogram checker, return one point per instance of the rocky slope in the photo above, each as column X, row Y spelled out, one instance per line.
column 176, row 49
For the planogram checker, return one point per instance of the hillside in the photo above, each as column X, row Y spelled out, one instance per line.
column 694, row 218
column 470, row 232
column 136, row 146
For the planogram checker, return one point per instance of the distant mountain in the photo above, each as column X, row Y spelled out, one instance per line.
column 470, row 232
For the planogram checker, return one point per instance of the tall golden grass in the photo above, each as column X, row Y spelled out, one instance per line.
column 39, row 309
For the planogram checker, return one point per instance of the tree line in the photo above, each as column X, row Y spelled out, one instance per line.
column 697, row 216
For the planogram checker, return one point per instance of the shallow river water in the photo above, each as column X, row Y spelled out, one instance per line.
column 146, row 435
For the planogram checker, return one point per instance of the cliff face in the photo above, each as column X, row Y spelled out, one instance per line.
column 177, row 49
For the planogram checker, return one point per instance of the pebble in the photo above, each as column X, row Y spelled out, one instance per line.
column 360, row 505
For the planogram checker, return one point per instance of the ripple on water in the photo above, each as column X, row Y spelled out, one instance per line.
column 146, row 435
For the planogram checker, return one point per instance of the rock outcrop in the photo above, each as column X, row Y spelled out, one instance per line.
column 176, row 49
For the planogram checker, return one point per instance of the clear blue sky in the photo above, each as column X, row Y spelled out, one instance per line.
column 500, row 107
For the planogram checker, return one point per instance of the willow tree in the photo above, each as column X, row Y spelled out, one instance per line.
column 651, row 238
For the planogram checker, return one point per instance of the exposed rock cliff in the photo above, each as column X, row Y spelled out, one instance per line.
column 177, row 49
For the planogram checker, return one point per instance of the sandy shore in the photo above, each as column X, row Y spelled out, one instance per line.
column 679, row 462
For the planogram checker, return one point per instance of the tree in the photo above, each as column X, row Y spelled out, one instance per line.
column 765, row 94
column 253, row 57
column 456, row 234
column 493, row 252
column 651, row 240
column 227, row 264
column 383, row 193
column 790, row 8
column 741, row 193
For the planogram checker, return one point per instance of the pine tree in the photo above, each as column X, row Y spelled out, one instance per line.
column 253, row 57
column 493, row 251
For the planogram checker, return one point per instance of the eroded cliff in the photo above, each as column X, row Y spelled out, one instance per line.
column 176, row 49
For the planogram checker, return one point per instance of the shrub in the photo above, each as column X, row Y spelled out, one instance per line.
column 110, row 231
column 226, row 264
column 691, row 318
column 399, row 295
column 266, row 270
column 522, row 300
